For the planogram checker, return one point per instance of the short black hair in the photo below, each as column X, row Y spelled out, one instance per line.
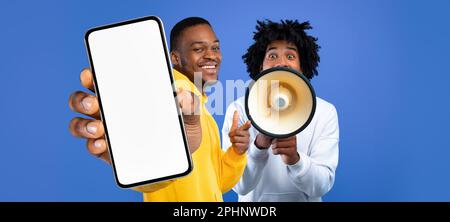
column 181, row 26
column 293, row 32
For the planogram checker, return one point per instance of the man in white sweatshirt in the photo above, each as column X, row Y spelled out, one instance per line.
column 297, row 168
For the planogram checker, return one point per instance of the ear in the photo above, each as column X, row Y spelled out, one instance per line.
column 175, row 57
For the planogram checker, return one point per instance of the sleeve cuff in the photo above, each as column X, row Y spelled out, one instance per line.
column 234, row 156
column 301, row 167
column 256, row 153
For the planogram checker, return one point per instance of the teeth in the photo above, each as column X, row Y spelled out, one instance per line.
column 208, row 67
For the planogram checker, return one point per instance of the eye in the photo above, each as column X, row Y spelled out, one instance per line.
column 272, row 56
column 291, row 57
column 198, row 50
column 216, row 48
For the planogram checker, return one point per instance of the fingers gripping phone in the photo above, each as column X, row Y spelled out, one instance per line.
column 134, row 84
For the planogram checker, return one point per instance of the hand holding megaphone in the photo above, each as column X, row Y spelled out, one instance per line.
column 262, row 141
column 287, row 149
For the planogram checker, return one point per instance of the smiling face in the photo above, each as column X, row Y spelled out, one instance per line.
column 198, row 51
column 281, row 53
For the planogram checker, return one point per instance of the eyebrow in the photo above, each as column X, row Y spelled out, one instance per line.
column 288, row 47
column 292, row 48
column 271, row 48
column 202, row 42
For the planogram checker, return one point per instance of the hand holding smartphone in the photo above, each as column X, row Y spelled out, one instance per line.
column 140, row 114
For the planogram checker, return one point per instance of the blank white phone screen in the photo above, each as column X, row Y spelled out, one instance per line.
column 144, row 131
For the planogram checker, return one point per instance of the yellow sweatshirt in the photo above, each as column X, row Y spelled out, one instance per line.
column 214, row 171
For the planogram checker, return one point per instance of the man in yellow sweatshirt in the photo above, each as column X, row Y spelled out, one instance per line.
column 195, row 53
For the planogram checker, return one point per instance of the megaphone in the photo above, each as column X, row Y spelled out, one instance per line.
column 280, row 102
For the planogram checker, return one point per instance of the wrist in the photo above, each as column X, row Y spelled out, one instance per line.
column 259, row 147
column 259, row 144
column 191, row 119
column 238, row 151
column 295, row 159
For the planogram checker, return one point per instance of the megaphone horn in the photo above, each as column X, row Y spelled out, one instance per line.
column 280, row 102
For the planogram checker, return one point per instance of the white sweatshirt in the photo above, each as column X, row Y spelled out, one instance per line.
column 268, row 178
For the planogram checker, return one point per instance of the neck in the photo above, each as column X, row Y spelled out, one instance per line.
column 198, row 82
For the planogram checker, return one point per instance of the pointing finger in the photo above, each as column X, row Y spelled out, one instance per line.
column 234, row 125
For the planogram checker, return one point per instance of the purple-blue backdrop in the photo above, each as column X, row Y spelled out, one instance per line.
column 384, row 65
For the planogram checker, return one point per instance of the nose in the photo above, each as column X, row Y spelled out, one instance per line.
column 210, row 54
column 282, row 62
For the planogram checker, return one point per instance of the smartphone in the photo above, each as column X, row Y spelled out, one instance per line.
column 134, row 84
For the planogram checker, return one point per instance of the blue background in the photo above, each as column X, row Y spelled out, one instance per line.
column 384, row 65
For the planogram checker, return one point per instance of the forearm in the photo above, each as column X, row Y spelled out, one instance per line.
column 256, row 161
column 247, row 180
column 314, row 175
column 312, row 179
column 231, row 169
column 193, row 130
